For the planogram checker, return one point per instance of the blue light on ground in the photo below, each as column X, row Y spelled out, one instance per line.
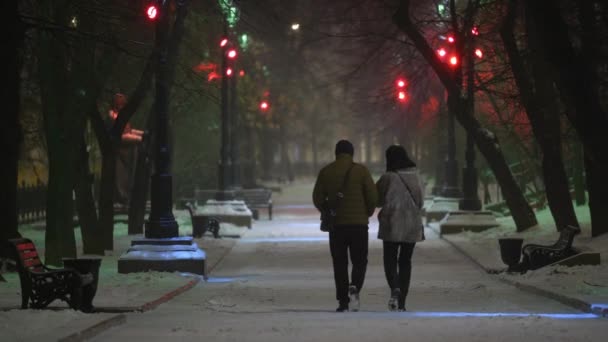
column 286, row 239
column 220, row 280
column 501, row 314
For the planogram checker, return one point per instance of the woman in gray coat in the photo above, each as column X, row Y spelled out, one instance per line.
column 400, row 197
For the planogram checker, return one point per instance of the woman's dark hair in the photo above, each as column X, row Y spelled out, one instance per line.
column 397, row 159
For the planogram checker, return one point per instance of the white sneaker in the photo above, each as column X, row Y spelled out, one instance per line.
column 392, row 302
column 353, row 294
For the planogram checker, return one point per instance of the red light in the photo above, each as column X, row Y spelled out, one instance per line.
column 264, row 105
column 453, row 60
column 441, row 52
column 475, row 31
column 451, row 39
column 242, row 73
column 224, row 42
column 152, row 12
column 401, row 96
column 229, row 72
column 212, row 75
column 478, row 53
column 232, row 54
column 400, row 83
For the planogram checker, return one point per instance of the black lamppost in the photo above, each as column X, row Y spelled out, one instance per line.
column 450, row 186
column 225, row 162
column 470, row 200
column 161, row 222
column 235, row 177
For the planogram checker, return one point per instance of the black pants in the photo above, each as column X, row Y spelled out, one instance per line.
column 398, row 269
column 342, row 241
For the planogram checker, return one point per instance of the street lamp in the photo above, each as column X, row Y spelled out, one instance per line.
column 161, row 222
column 450, row 187
column 295, row 26
column 471, row 199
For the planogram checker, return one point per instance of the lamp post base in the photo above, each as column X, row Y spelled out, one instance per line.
column 162, row 228
column 471, row 198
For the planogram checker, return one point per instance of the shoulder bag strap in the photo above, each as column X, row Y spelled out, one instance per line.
column 340, row 192
column 408, row 189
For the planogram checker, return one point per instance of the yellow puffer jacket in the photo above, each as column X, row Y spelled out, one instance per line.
column 360, row 194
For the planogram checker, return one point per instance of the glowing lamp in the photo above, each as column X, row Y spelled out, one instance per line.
column 152, row 12
column 401, row 96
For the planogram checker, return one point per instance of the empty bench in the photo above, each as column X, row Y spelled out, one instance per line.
column 537, row 256
column 41, row 285
column 257, row 199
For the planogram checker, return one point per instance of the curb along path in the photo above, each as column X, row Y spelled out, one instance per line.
column 566, row 300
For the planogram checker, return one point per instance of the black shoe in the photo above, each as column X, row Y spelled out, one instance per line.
column 342, row 308
column 402, row 309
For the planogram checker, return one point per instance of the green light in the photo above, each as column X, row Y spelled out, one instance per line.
column 231, row 12
column 244, row 41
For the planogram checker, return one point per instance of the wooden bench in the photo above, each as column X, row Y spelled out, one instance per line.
column 256, row 199
column 41, row 285
column 202, row 223
column 537, row 256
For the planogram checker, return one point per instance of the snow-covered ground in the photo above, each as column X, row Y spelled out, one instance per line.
column 276, row 284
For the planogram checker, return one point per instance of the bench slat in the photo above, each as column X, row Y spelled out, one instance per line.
column 29, row 255
column 31, row 262
column 25, row 246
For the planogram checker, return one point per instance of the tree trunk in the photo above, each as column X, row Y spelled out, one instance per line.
column 139, row 194
column 10, row 133
column 285, row 161
column 539, row 98
column 488, row 145
column 106, row 198
column 59, row 126
column 597, row 187
column 576, row 76
column 85, row 204
column 578, row 169
column 59, row 238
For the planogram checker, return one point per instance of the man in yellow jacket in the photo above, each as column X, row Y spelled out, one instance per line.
column 349, row 235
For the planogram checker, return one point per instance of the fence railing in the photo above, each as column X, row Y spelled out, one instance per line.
column 31, row 202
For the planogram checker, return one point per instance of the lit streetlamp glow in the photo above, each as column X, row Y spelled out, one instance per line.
column 295, row 26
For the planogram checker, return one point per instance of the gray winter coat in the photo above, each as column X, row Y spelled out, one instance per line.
column 400, row 218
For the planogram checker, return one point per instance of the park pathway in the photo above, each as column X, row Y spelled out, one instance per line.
column 277, row 285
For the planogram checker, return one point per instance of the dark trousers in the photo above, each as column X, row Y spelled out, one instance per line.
column 342, row 241
column 398, row 266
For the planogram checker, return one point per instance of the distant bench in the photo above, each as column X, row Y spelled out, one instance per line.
column 255, row 199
